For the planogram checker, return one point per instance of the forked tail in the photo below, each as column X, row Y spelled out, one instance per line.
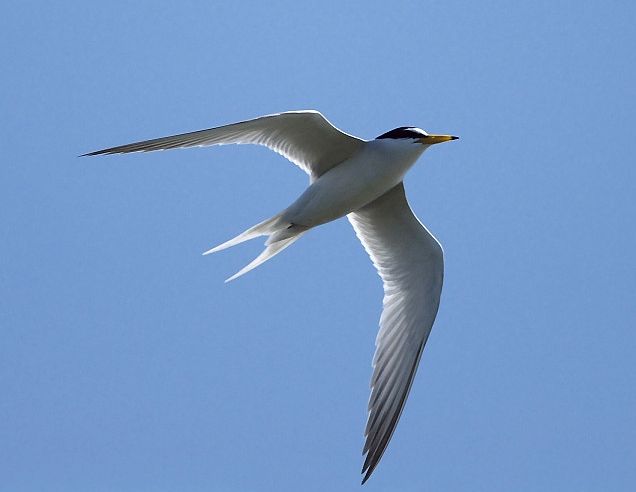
column 281, row 234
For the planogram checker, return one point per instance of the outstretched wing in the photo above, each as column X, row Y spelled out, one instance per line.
column 306, row 138
column 410, row 262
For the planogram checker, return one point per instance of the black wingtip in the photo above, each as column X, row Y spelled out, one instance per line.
column 367, row 471
column 96, row 152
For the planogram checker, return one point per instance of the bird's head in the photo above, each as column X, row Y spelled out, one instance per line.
column 415, row 135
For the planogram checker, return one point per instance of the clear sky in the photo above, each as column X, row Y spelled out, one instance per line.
column 126, row 364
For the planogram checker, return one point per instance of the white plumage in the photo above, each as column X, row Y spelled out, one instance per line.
column 363, row 180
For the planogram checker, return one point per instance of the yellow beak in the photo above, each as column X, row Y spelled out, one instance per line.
column 435, row 139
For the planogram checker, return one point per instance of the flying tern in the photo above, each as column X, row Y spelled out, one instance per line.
column 362, row 179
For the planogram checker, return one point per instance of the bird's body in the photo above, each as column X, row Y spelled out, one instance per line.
column 372, row 171
column 362, row 180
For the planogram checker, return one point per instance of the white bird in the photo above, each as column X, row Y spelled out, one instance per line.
column 361, row 179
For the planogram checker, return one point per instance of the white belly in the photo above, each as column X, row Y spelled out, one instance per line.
column 373, row 171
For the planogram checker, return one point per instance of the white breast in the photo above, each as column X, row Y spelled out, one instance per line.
column 374, row 170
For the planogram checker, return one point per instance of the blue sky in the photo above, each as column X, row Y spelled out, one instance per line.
column 126, row 364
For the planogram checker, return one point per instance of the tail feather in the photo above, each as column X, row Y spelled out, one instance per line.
column 269, row 252
column 281, row 234
column 264, row 228
column 292, row 230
